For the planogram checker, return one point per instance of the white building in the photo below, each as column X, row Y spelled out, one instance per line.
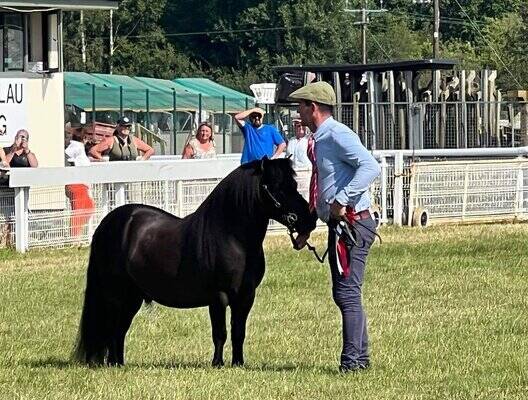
column 31, row 79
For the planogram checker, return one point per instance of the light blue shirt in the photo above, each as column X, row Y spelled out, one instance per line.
column 345, row 168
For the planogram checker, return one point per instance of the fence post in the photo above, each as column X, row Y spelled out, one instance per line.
column 21, row 219
column 199, row 108
column 224, row 117
column 93, row 104
column 120, row 198
column 174, row 131
column 519, row 211
column 398, row 189
column 384, row 193
column 105, row 199
column 148, row 108
column 465, row 193
column 166, row 197
column 179, row 198
column 120, row 101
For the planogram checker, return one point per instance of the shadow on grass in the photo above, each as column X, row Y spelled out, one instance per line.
column 49, row 362
column 53, row 362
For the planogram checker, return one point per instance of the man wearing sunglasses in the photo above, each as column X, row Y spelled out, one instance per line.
column 259, row 139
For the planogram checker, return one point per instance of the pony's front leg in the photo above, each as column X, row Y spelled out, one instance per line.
column 217, row 313
column 239, row 314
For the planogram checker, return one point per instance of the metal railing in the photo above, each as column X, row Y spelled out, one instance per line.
column 427, row 125
column 35, row 211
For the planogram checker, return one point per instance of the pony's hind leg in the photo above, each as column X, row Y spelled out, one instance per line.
column 239, row 313
column 124, row 314
column 217, row 313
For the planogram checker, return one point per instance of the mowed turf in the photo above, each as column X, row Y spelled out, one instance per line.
column 447, row 307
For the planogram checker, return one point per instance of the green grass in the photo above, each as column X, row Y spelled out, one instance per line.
column 447, row 310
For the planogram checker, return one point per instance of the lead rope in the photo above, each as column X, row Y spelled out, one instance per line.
column 351, row 236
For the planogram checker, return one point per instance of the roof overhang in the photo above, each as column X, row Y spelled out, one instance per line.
column 61, row 4
column 412, row 65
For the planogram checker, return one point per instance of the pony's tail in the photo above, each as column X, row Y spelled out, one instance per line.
column 92, row 346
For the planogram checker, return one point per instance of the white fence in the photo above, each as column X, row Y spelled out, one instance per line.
column 470, row 190
column 35, row 211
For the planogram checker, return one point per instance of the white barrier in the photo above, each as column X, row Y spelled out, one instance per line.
column 470, row 190
column 36, row 213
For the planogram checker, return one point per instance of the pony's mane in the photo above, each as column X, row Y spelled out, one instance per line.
column 240, row 189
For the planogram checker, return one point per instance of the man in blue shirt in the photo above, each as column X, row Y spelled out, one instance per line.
column 344, row 171
column 259, row 139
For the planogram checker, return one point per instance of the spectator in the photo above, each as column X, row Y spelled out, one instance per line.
column 202, row 145
column 81, row 203
column 122, row 146
column 298, row 147
column 18, row 154
column 259, row 139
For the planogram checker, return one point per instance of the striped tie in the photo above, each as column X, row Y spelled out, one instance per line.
column 313, row 180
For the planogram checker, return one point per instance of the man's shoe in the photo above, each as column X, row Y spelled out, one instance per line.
column 345, row 369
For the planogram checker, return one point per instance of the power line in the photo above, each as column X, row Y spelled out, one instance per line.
column 227, row 31
column 379, row 45
column 489, row 43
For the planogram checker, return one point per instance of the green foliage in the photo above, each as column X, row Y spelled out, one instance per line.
column 239, row 42
column 140, row 45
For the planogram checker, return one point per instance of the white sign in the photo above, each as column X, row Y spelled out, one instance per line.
column 13, row 109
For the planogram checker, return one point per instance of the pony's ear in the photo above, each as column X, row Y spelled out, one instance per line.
column 289, row 156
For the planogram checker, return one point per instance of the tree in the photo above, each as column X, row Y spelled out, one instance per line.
column 140, row 46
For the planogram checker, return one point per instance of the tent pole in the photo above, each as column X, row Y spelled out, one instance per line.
column 120, row 101
column 174, row 119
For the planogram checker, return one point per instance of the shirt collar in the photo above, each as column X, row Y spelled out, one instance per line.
column 323, row 127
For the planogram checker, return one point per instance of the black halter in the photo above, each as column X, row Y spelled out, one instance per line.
column 290, row 218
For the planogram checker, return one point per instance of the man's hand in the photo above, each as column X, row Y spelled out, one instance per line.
column 300, row 241
column 337, row 211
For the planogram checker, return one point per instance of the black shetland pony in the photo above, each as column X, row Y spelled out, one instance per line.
column 212, row 258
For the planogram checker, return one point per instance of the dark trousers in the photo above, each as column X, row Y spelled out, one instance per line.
column 346, row 292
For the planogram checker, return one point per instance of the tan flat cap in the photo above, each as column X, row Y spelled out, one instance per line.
column 320, row 92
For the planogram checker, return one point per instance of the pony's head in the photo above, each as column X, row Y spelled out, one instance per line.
column 278, row 193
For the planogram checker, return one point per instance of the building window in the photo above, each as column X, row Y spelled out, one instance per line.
column 12, row 42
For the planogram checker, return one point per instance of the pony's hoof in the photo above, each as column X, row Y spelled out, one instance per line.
column 237, row 363
column 217, row 363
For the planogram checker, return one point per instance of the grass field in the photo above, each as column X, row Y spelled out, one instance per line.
column 447, row 307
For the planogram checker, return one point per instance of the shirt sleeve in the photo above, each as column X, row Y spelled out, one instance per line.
column 277, row 137
column 352, row 152
column 243, row 129
column 73, row 151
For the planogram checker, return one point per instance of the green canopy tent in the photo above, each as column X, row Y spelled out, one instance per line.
column 169, row 108
column 115, row 92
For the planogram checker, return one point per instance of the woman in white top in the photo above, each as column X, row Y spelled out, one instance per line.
column 81, row 203
column 203, row 145
column 298, row 147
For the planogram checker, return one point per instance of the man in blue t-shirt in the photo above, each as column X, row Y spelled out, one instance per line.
column 259, row 139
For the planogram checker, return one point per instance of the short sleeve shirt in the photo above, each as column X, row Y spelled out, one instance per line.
column 259, row 142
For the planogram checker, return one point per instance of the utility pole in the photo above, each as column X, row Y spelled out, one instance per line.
column 364, row 11
column 83, row 40
column 436, row 24
column 364, row 23
column 436, row 31
column 111, row 67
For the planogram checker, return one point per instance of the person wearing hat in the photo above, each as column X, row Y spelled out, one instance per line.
column 122, row 146
column 260, row 139
column 342, row 172
column 298, row 146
